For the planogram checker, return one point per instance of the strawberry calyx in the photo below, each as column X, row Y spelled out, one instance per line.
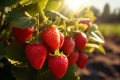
column 57, row 53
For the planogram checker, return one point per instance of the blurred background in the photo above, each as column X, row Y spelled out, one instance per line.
column 105, row 13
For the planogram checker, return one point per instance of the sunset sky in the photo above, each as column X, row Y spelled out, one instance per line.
column 100, row 3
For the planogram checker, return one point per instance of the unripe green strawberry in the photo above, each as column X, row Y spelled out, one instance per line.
column 58, row 65
column 68, row 46
column 22, row 35
column 51, row 37
column 73, row 57
column 61, row 40
column 82, row 60
column 80, row 40
column 86, row 22
column 36, row 54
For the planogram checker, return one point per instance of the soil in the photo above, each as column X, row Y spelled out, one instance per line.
column 104, row 67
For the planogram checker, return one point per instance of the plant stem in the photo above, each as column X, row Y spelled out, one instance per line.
column 65, row 28
column 42, row 16
column 38, row 24
column 1, row 17
column 3, row 26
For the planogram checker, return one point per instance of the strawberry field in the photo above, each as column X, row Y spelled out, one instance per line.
column 38, row 41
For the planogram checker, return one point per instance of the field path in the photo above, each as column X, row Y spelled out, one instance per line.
column 104, row 67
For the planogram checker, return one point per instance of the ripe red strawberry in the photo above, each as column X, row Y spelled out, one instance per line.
column 73, row 57
column 86, row 22
column 58, row 65
column 22, row 35
column 68, row 46
column 82, row 60
column 36, row 54
column 80, row 40
column 51, row 37
column 61, row 40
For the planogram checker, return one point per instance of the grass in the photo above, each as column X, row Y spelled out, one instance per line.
column 110, row 30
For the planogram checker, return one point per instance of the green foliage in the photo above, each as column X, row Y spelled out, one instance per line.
column 95, row 40
column 24, row 73
column 16, row 52
column 101, row 49
column 2, row 51
column 42, row 4
column 86, row 13
column 95, row 35
column 5, row 70
column 70, row 74
column 53, row 16
column 7, row 3
column 110, row 30
column 19, row 18
column 54, row 5
column 32, row 9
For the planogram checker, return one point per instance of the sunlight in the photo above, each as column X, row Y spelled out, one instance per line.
column 74, row 4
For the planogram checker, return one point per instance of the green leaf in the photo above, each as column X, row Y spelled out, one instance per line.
column 23, row 22
column 95, row 36
column 54, row 5
column 89, row 50
column 19, row 18
column 16, row 52
column 90, row 47
column 70, row 74
column 42, row 4
column 53, row 15
column 101, row 49
column 6, row 3
column 82, row 27
column 93, row 27
column 32, row 9
column 25, row 2
column 24, row 73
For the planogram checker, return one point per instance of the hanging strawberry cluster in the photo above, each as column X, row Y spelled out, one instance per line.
column 59, row 48
column 39, row 43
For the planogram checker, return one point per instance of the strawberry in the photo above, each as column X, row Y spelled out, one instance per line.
column 36, row 54
column 22, row 35
column 80, row 40
column 68, row 46
column 61, row 40
column 82, row 60
column 51, row 37
column 58, row 65
column 73, row 57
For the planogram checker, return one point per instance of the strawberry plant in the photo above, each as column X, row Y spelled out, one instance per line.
column 37, row 42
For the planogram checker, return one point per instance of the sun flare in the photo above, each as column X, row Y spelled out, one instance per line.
column 74, row 4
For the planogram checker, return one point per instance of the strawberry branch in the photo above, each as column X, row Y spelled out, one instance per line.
column 1, row 17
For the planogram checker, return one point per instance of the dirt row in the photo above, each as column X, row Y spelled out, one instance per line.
column 104, row 67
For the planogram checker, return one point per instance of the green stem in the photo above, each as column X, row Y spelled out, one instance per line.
column 5, row 25
column 65, row 28
column 37, row 27
column 42, row 17
column 1, row 17
column 76, row 25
